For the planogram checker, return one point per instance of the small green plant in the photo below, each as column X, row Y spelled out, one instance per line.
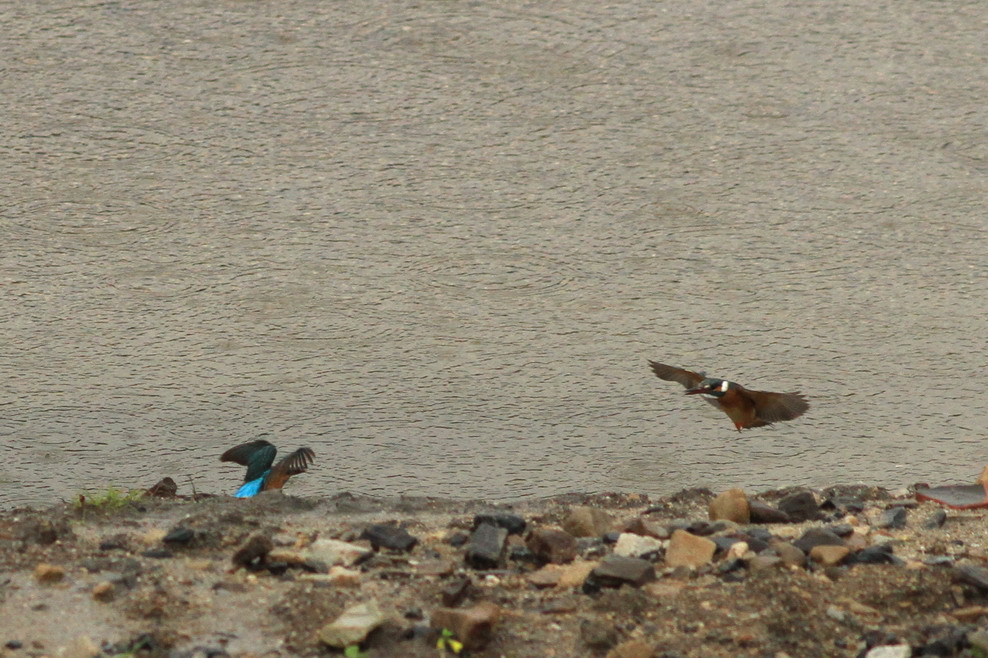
column 111, row 499
column 447, row 641
column 353, row 651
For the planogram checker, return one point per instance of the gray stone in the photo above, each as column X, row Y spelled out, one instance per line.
column 817, row 537
column 353, row 626
column 514, row 524
column 763, row 513
column 329, row 552
column 632, row 545
column 935, row 520
column 616, row 570
column 801, row 506
column 890, row 651
column 972, row 575
column 390, row 536
column 485, row 550
column 894, row 518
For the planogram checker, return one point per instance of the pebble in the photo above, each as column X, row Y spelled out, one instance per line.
column 390, row 536
column 485, row 550
column 48, row 573
column 330, row 552
column 935, row 520
column 763, row 562
column 552, row 545
column 648, row 528
column 760, row 512
column 631, row 545
column 890, row 651
column 616, row 570
column 688, row 550
column 894, row 517
column 817, row 537
column 588, row 522
column 353, row 626
column 972, row 575
column 801, row 506
column 514, row 524
column 104, row 591
column 732, row 505
column 472, row 626
column 829, row 556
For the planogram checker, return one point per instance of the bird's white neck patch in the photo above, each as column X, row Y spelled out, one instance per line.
column 723, row 386
column 709, row 396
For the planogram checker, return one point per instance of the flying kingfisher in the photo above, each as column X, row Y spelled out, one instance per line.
column 745, row 407
column 258, row 456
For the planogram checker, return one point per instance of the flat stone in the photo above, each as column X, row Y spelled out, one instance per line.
column 574, row 574
column 801, row 506
column 588, row 522
column 552, row 545
column 881, row 554
column 817, row 537
column 935, row 520
column 632, row 649
column 764, row 513
column 890, row 651
column 330, row 552
column 972, row 575
column 893, row 518
column 732, row 505
column 632, row 545
column 688, row 550
column 485, row 550
column 389, row 536
column 353, row 626
column 48, row 573
column 547, row 576
column 829, row 556
column 616, row 570
column 472, row 626
column 179, row 535
column 763, row 562
column 514, row 524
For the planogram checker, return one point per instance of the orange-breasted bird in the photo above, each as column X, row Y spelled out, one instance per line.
column 745, row 407
column 258, row 456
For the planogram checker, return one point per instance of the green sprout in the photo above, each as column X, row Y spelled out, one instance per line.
column 111, row 499
column 353, row 651
column 447, row 641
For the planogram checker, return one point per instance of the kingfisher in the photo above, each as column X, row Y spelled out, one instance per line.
column 258, row 456
column 745, row 407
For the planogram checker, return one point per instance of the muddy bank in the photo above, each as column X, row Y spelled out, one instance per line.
column 837, row 572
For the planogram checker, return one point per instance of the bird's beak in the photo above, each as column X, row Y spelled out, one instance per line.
column 694, row 391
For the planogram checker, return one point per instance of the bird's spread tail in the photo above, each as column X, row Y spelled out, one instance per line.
column 251, row 488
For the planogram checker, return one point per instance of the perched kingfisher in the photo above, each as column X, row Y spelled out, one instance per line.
column 258, row 456
column 745, row 407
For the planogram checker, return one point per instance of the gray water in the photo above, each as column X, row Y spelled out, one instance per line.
column 438, row 241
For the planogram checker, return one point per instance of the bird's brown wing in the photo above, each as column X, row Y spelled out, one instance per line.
column 292, row 464
column 687, row 378
column 775, row 407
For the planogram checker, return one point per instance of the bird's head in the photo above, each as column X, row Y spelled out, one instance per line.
column 710, row 387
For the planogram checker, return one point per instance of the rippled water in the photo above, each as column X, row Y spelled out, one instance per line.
column 437, row 243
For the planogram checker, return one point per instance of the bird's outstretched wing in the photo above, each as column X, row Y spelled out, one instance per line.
column 257, row 456
column 687, row 378
column 292, row 464
column 775, row 407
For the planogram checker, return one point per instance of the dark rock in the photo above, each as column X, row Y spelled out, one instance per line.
column 935, row 520
column 893, row 517
column 703, row 528
column 615, row 570
column 486, row 547
column 727, row 566
column 114, row 543
column 253, row 553
column 390, row 536
column 519, row 553
column 457, row 539
column 817, row 537
column 158, row 553
column 457, row 590
column 598, row 634
column 725, row 543
column 514, row 524
column 879, row 554
column 760, row 534
column 841, row 529
column 591, row 547
column 801, row 506
column 165, row 488
column 43, row 531
column 756, row 544
column 179, row 535
column 13, row 644
column 972, row 575
column 611, row 537
column 414, row 614
column 763, row 513
column 550, row 545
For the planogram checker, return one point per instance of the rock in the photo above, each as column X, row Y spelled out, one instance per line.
column 514, row 524
column 48, row 573
column 471, row 626
column 894, row 518
column 165, row 488
column 764, row 562
column 631, row 545
column 817, row 537
column 890, row 651
column 632, row 649
column 800, row 507
column 456, row 590
column 881, row 554
column 457, row 538
column 972, row 575
column 576, row 573
column 390, row 536
column 343, row 577
column 689, row 550
column 647, row 528
column 104, row 591
column 763, row 513
column 353, row 626
column 732, row 505
column 598, row 634
column 737, row 551
column 253, row 552
column 616, row 570
column 179, row 535
column 485, row 550
column 829, row 556
column 587, row 522
column 789, row 554
column 978, row 640
column 547, row 576
column 935, row 520
column 330, row 552
column 551, row 545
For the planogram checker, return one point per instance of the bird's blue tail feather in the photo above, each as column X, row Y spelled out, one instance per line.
column 252, row 488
